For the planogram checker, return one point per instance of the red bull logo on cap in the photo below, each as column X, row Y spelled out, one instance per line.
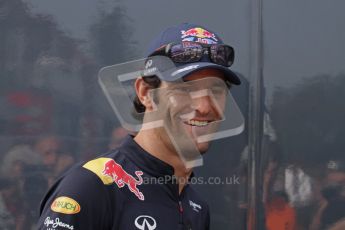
column 199, row 35
column 122, row 178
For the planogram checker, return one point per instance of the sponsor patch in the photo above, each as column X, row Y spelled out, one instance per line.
column 65, row 205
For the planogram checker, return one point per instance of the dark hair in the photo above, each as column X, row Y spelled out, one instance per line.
column 154, row 82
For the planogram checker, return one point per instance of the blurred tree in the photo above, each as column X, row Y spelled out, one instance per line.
column 310, row 120
column 28, row 41
column 111, row 37
column 38, row 58
column 110, row 43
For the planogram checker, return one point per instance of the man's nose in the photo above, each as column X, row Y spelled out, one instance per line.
column 203, row 105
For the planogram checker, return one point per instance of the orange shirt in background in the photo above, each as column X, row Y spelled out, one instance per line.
column 280, row 215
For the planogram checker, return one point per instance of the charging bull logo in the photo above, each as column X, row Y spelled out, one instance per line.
column 122, row 178
column 199, row 35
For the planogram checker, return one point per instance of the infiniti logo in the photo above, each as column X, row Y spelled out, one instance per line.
column 145, row 223
column 148, row 64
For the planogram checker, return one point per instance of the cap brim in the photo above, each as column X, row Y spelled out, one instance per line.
column 183, row 70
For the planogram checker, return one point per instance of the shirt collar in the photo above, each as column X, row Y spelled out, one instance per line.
column 144, row 160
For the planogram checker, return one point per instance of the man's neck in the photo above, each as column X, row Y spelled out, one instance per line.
column 159, row 150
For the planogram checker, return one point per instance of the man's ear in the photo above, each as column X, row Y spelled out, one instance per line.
column 142, row 90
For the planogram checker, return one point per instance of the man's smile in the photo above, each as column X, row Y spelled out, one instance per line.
column 198, row 123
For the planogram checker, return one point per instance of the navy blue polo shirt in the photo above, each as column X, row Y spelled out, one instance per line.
column 125, row 189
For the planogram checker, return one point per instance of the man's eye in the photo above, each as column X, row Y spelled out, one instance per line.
column 182, row 90
column 218, row 90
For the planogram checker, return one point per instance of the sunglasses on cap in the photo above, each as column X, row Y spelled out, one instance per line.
column 187, row 52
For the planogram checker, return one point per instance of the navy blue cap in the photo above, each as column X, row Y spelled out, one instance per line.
column 194, row 33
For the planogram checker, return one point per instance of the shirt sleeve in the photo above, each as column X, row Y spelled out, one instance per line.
column 77, row 201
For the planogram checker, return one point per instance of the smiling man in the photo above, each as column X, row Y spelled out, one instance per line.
column 143, row 184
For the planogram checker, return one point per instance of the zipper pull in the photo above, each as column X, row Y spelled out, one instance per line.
column 180, row 206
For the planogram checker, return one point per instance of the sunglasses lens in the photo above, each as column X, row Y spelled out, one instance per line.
column 222, row 55
column 186, row 52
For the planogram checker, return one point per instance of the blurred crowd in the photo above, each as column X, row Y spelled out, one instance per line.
column 27, row 170
column 293, row 197
column 296, row 198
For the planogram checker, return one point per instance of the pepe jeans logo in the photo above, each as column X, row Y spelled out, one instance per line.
column 55, row 223
column 145, row 223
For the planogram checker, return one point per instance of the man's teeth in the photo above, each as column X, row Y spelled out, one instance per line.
column 197, row 123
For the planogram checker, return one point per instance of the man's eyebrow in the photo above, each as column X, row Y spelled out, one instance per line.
column 182, row 84
column 219, row 83
column 192, row 83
